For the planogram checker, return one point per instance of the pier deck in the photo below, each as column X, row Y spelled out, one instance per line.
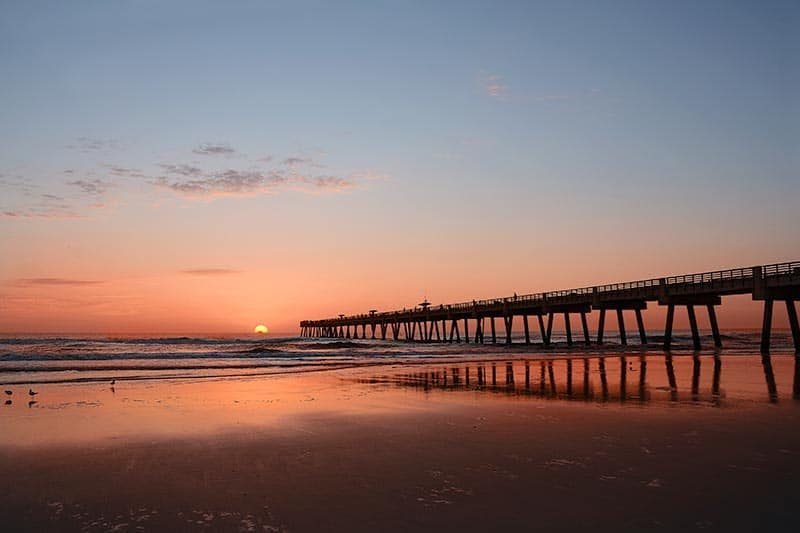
column 767, row 283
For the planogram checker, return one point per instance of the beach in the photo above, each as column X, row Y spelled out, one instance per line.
column 640, row 441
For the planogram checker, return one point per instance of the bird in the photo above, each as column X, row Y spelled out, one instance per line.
column 32, row 393
column 9, row 392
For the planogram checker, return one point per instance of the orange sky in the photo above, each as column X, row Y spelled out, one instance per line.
column 86, row 279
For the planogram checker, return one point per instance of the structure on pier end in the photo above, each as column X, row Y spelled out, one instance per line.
column 767, row 283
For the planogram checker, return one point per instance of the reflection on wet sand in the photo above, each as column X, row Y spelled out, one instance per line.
column 600, row 379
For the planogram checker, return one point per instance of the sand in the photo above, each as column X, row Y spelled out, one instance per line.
column 356, row 451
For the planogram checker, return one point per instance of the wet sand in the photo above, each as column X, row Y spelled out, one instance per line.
column 387, row 450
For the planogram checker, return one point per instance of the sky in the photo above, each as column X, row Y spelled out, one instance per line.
column 206, row 166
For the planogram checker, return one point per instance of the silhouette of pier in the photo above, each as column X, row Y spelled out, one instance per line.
column 451, row 322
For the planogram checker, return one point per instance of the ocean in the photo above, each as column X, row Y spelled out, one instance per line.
column 67, row 359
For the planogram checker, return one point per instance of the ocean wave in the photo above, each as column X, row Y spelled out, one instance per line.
column 330, row 345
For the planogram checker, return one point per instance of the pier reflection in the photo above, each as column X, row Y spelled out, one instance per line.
column 622, row 378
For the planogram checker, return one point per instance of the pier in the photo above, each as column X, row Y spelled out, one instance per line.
column 467, row 321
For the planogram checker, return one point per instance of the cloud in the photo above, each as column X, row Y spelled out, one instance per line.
column 370, row 175
column 94, row 187
column 48, row 206
column 19, row 183
column 53, row 197
column 210, row 271
column 46, row 282
column 182, row 170
column 226, row 182
column 88, row 144
column 125, row 172
column 295, row 161
column 495, row 86
column 233, row 182
column 38, row 201
column 330, row 183
column 69, row 198
column 213, row 149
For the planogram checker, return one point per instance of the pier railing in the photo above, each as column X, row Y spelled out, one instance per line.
column 735, row 278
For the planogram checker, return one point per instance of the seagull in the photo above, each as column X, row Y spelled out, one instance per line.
column 32, row 393
column 9, row 392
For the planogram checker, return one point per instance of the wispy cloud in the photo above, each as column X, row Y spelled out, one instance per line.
column 65, row 200
column 43, row 212
column 182, row 170
column 41, row 205
column 214, row 149
column 34, row 282
column 495, row 86
column 95, row 187
column 226, row 182
column 78, row 193
column 233, row 182
column 89, row 144
column 296, row 161
column 210, row 271
column 327, row 183
column 124, row 172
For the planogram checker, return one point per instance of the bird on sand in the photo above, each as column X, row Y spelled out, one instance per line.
column 32, row 393
column 9, row 392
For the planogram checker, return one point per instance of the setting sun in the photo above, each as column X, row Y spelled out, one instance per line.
column 261, row 329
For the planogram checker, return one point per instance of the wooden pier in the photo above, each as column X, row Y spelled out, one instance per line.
column 443, row 323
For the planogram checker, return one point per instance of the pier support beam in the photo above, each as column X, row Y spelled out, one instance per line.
column 454, row 329
column 545, row 336
column 478, row 330
column 766, row 326
column 712, row 319
column 509, row 322
column 693, row 326
column 792, row 312
column 568, row 329
column 527, row 329
column 690, row 301
column 640, row 325
column 619, row 306
column 668, row 327
column 494, row 333
column 601, row 325
column 623, row 338
column 585, row 327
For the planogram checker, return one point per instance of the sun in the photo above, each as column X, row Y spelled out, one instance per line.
column 261, row 329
